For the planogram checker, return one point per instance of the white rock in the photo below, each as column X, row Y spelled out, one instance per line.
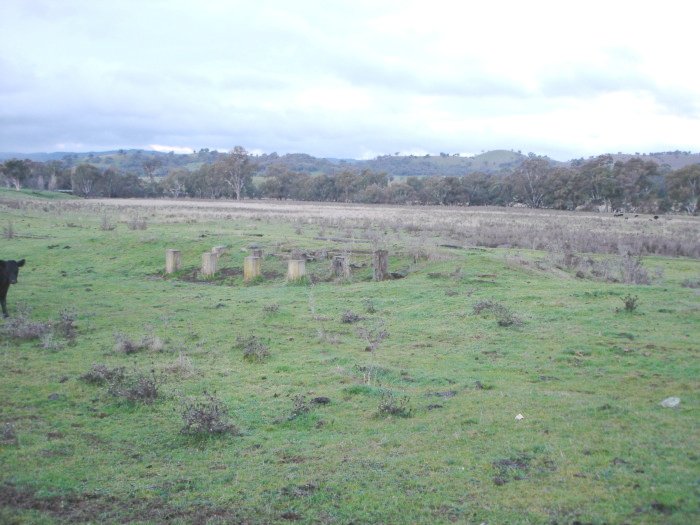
column 671, row 402
column 519, row 417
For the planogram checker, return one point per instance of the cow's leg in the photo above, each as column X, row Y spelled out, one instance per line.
column 3, row 298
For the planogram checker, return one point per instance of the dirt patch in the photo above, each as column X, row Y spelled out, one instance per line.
column 83, row 508
column 511, row 469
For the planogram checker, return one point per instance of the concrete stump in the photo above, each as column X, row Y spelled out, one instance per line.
column 209, row 263
column 218, row 250
column 172, row 261
column 257, row 252
column 340, row 268
column 380, row 264
column 296, row 269
column 252, row 268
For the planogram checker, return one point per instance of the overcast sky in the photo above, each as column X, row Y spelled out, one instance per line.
column 351, row 79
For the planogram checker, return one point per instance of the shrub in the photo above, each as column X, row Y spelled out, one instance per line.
column 504, row 316
column 369, row 305
column 49, row 342
column 206, row 415
column 300, row 406
column 106, row 224
column 373, row 335
column 137, row 223
column 22, row 328
column 100, row 374
column 182, row 366
column 135, row 387
column 630, row 302
column 7, row 434
column 350, row 317
column 271, row 308
column 65, row 327
column 393, row 405
column 632, row 270
column 253, row 348
column 123, row 344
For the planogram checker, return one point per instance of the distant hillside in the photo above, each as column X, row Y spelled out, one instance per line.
column 496, row 161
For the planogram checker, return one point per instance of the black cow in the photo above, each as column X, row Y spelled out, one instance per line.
column 8, row 276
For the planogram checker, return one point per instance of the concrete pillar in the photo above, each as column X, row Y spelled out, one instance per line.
column 380, row 264
column 172, row 261
column 296, row 269
column 209, row 264
column 252, row 268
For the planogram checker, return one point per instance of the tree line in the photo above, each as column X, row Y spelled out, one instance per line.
column 599, row 183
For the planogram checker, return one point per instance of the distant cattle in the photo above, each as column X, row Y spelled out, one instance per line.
column 8, row 276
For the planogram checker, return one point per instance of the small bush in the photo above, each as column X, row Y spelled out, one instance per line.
column 350, row 317
column 65, row 327
column 8, row 435
column 632, row 270
column 300, row 405
column 22, row 328
column 106, row 224
column 253, row 348
column 271, row 308
column 137, row 223
column 393, row 405
column 630, row 302
column 100, row 374
column 369, row 305
column 49, row 342
column 206, row 415
column 123, row 344
column 136, row 387
column 504, row 316
column 373, row 335
column 182, row 366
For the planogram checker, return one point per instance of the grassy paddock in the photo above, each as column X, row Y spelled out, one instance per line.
column 347, row 401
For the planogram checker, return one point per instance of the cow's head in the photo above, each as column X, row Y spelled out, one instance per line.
column 10, row 269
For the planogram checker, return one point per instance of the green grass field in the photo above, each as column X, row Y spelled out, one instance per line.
column 594, row 444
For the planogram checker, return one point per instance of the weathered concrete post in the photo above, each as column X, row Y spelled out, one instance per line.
column 296, row 269
column 252, row 268
column 257, row 252
column 172, row 261
column 380, row 264
column 218, row 250
column 209, row 263
column 340, row 267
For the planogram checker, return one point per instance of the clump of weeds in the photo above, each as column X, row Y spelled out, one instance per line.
column 504, row 315
column 272, row 308
column 391, row 404
column 630, row 302
column 206, row 415
column 349, row 317
column 136, row 387
column 21, row 327
column 253, row 348
column 100, row 374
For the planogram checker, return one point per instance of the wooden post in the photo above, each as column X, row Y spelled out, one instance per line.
column 252, row 267
column 172, row 261
column 209, row 263
column 340, row 267
column 380, row 263
column 296, row 269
